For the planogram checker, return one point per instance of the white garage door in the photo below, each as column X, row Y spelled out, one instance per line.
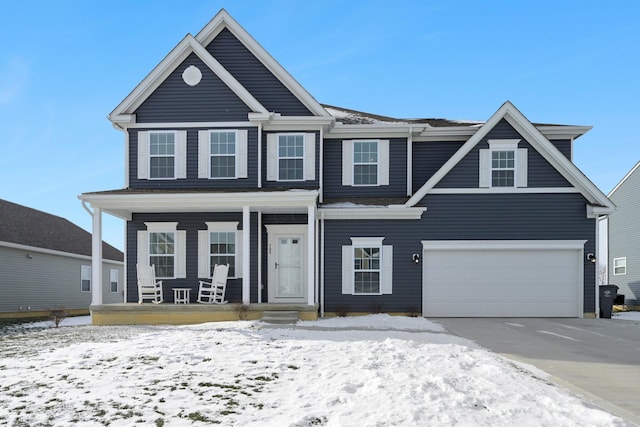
column 503, row 278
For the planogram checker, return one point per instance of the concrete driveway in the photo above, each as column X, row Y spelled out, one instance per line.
column 598, row 359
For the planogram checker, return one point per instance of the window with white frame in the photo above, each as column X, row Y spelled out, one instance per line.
column 367, row 267
column 620, row 266
column 162, row 253
column 290, row 157
column 365, row 162
column 503, row 168
column 163, row 246
column 162, row 151
column 113, row 280
column 162, row 154
column 223, row 154
column 85, row 278
column 219, row 244
column 366, row 270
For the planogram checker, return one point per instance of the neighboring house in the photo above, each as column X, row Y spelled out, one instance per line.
column 624, row 237
column 230, row 160
column 45, row 263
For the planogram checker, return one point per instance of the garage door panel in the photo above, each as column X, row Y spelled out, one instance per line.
column 502, row 283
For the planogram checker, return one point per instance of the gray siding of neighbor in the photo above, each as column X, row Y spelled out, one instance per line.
column 624, row 237
column 333, row 172
column 192, row 222
column 254, row 76
column 192, row 180
column 540, row 172
column 428, row 158
column 175, row 101
column 311, row 184
column 457, row 217
column 46, row 281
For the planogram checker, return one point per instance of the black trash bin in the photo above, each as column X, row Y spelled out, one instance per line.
column 608, row 294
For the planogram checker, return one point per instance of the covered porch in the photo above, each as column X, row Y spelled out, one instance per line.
column 268, row 224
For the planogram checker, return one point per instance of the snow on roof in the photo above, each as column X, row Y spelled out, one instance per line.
column 350, row 117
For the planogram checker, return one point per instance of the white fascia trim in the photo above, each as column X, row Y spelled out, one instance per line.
column 510, row 190
column 36, row 249
column 182, row 125
column 400, row 130
column 188, row 45
column 523, row 126
column 371, row 213
column 224, row 20
column 453, row 133
column 563, row 132
column 633, row 169
column 123, row 205
column 454, row 245
column 598, row 211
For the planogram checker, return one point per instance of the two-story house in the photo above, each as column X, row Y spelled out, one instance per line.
column 230, row 160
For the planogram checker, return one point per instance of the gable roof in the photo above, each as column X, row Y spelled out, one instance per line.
column 633, row 169
column 537, row 140
column 30, row 227
column 197, row 45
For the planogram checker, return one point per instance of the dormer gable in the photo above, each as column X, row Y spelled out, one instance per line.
column 509, row 114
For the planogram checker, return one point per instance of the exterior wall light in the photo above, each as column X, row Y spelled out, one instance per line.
column 416, row 258
column 591, row 257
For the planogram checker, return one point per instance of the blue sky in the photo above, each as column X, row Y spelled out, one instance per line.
column 65, row 65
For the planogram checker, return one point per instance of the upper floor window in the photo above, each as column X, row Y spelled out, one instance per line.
column 222, row 154
column 620, row 266
column 85, row 278
column 163, row 246
column 503, row 165
column 503, row 168
column 365, row 162
column 291, row 156
column 162, row 154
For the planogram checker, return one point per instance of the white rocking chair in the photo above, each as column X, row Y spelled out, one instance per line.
column 148, row 287
column 213, row 292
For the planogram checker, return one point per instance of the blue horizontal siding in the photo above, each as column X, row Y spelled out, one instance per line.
column 540, row 173
column 191, row 222
column 254, row 76
column 192, row 180
column 333, row 172
column 457, row 217
column 428, row 158
column 175, row 101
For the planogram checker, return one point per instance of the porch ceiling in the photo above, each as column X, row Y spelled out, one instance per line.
column 123, row 203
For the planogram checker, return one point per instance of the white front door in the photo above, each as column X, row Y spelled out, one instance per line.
column 287, row 263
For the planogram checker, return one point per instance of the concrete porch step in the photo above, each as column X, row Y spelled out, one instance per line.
column 281, row 317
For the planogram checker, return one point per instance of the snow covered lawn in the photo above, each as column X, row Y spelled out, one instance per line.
column 369, row 371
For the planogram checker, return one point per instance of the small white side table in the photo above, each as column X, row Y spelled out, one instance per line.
column 181, row 295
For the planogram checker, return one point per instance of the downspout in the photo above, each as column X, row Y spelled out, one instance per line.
column 259, row 257
column 410, row 162
column 259, row 154
column 320, row 174
column 322, row 264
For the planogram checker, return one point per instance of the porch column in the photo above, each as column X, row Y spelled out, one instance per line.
column 311, row 254
column 246, row 253
column 96, row 257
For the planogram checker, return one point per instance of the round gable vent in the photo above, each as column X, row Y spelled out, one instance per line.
column 192, row 75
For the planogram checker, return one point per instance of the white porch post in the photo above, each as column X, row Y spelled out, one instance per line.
column 311, row 254
column 246, row 253
column 96, row 257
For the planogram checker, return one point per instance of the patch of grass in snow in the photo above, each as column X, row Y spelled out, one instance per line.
column 197, row 416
